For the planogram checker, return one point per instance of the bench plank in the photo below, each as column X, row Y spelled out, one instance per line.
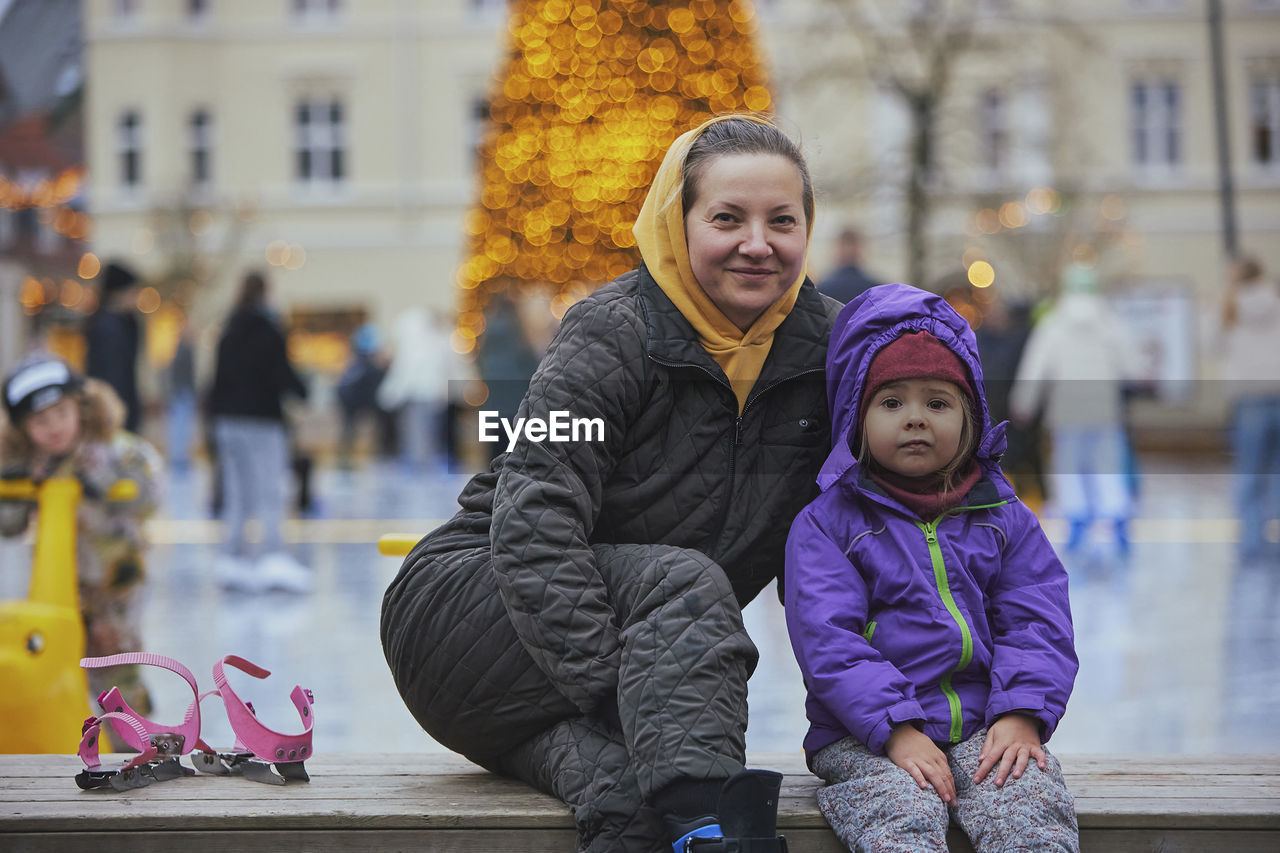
column 1124, row 804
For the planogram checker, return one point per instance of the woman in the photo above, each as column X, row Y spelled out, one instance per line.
column 577, row 624
column 252, row 375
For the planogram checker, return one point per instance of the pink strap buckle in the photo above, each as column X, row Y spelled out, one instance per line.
column 168, row 740
column 266, row 744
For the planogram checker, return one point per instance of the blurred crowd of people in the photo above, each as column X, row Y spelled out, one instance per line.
column 399, row 397
column 1063, row 373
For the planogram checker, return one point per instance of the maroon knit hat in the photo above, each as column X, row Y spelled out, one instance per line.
column 915, row 355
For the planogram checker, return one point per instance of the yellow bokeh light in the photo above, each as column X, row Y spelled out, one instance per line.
column 31, row 294
column 71, row 293
column 1112, row 207
column 148, row 300
column 981, row 274
column 89, row 266
column 1012, row 215
column 277, row 252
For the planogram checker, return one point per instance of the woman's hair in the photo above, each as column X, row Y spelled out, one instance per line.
column 253, row 290
column 101, row 415
column 968, row 442
column 740, row 136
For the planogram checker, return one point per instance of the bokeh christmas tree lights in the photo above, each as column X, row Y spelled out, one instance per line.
column 590, row 95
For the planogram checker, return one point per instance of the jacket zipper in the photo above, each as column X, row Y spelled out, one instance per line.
column 930, row 530
column 737, row 442
column 737, row 430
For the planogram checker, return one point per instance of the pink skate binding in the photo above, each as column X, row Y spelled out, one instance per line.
column 159, row 746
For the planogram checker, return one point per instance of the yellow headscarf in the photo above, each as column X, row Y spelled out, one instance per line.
column 660, row 235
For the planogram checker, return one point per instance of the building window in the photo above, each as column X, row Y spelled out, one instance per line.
column 129, row 148
column 993, row 130
column 200, row 138
column 1156, row 105
column 316, row 11
column 319, row 141
column 477, row 124
column 124, row 11
column 1264, row 119
column 1157, row 5
column 8, row 220
column 487, row 8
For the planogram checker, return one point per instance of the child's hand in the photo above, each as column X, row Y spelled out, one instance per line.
column 913, row 751
column 1012, row 740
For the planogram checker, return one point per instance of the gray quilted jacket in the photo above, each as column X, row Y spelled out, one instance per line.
column 677, row 466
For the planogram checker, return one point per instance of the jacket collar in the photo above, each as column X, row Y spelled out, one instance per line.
column 800, row 343
column 842, row 465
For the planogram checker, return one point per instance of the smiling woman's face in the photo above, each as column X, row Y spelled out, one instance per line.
column 747, row 233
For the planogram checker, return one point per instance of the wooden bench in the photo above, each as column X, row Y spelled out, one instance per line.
column 443, row 803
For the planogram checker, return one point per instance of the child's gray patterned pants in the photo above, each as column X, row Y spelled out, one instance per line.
column 875, row 806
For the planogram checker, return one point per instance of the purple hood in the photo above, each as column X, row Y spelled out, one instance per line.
column 865, row 326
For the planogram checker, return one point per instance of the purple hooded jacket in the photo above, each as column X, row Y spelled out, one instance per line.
column 952, row 621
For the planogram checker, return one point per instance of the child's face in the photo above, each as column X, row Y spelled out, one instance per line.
column 54, row 430
column 913, row 426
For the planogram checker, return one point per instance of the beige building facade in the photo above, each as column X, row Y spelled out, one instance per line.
column 329, row 143
column 332, row 142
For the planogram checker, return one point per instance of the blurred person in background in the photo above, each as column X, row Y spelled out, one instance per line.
column 848, row 280
column 416, row 387
column 113, row 337
column 60, row 424
column 180, row 379
column 506, row 361
column 252, row 376
column 1002, row 337
column 1075, row 365
column 358, row 390
column 1250, row 353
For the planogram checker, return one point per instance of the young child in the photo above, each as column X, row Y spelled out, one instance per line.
column 60, row 424
column 926, row 608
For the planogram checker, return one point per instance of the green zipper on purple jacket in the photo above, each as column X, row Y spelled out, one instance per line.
column 930, row 530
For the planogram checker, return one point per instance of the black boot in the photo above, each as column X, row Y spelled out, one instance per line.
column 748, row 818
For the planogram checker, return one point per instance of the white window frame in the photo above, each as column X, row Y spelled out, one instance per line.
column 200, row 148
column 315, row 13
column 477, row 122
column 1157, row 139
column 1264, row 118
column 487, row 10
column 1158, row 7
column 124, row 12
column 129, row 150
column 8, row 228
column 320, row 156
column 995, row 138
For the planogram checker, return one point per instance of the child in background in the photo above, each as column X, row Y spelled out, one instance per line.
column 927, row 610
column 62, row 425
